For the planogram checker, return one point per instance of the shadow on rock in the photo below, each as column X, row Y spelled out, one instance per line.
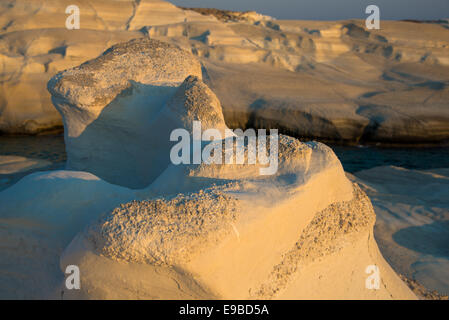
column 430, row 239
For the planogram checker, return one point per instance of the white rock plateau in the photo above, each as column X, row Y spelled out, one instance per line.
column 326, row 80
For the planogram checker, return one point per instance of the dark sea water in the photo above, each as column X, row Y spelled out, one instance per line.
column 356, row 158
column 47, row 147
column 353, row 158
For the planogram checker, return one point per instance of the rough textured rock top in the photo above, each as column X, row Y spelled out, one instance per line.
column 227, row 15
column 142, row 60
column 165, row 231
column 194, row 101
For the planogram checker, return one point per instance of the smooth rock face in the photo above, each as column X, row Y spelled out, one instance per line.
column 39, row 216
column 113, row 108
column 412, row 226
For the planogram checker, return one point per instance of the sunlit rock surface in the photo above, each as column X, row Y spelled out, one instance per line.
column 204, row 234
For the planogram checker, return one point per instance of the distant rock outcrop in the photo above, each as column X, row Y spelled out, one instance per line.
column 328, row 80
column 230, row 16
column 35, row 45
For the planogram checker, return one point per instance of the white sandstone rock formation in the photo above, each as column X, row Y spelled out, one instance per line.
column 197, row 231
column 205, row 230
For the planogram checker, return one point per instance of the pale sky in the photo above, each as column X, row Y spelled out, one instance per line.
column 330, row 9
